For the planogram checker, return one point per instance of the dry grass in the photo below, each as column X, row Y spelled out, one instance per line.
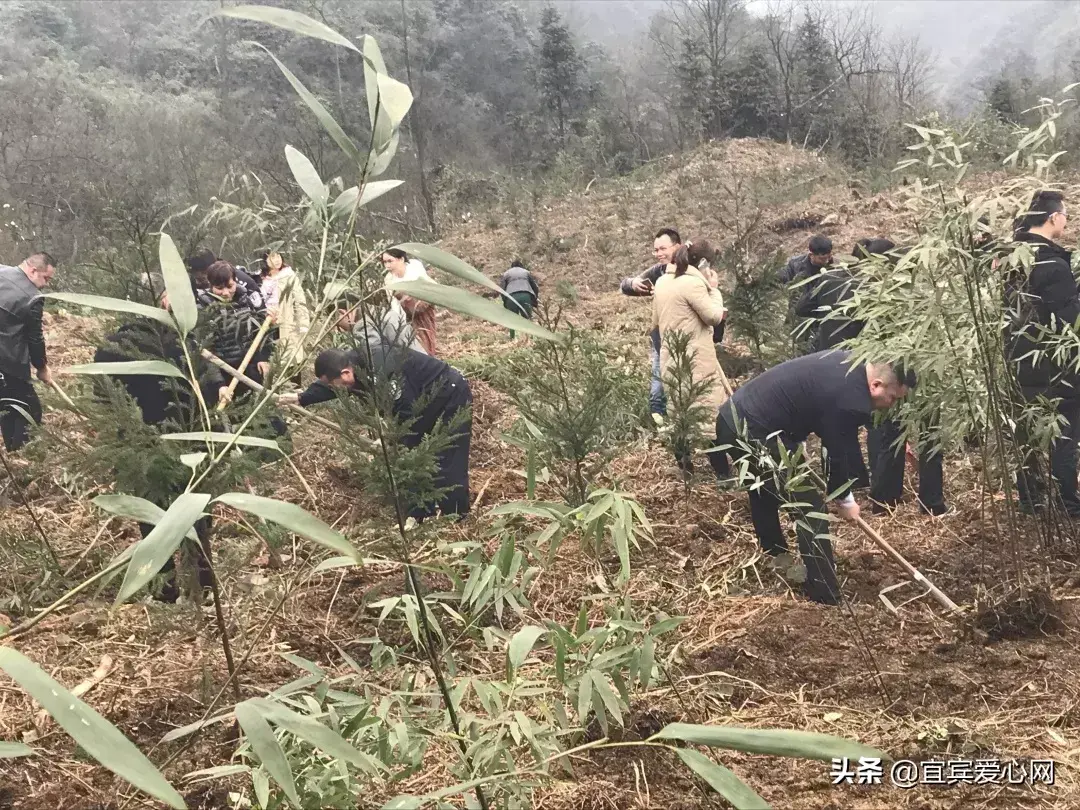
column 750, row 652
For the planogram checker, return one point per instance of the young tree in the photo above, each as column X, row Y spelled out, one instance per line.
column 561, row 69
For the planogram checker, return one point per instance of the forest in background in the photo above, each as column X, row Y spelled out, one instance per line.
column 115, row 115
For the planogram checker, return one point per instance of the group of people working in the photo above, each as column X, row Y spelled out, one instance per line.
column 820, row 392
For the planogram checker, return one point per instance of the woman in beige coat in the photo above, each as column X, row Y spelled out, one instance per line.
column 287, row 304
column 686, row 299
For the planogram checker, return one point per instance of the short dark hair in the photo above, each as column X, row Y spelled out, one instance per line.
column 200, row 260
column 517, row 263
column 397, row 253
column 820, row 245
column 330, row 364
column 671, row 234
column 1044, row 204
column 905, row 376
column 40, row 260
column 220, row 273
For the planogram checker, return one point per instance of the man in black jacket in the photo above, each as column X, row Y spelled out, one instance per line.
column 22, row 345
column 818, row 393
column 162, row 400
column 798, row 269
column 417, row 379
column 665, row 244
column 1046, row 300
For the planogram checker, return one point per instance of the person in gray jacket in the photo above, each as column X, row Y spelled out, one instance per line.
column 22, row 345
column 521, row 286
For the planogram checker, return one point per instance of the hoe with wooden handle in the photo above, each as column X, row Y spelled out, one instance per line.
column 254, row 347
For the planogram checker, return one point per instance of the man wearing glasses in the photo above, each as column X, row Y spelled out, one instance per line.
column 1046, row 300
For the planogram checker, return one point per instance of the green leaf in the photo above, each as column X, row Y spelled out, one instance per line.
column 395, row 99
column 372, row 190
column 381, row 130
column 217, row 772
column 157, row 547
column 328, row 123
column 334, row 562
column 96, row 735
column 607, row 694
column 114, row 305
column 385, row 156
column 307, row 177
column 436, row 257
column 466, row 303
column 521, row 645
column 647, row 660
column 723, row 781
column 138, row 509
column 222, row 438
column 157, row 368
column 267, row 748
column 10, row 750
column 293, row 518
column 289, row 20
column 404, row 802
column 193, row 460
column 314, row 732
column 177, row 285
column 769, row 741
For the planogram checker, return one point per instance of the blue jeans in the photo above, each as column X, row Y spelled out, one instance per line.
column 657, row 399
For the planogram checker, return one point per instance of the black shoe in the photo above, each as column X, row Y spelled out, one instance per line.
column 935, row 510
column 1029, row 507
column 821, row 594
column 882, row 507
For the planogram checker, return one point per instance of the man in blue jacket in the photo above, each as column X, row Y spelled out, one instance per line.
column 665, row 244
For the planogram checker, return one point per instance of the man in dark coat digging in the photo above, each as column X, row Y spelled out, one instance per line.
column 426, row 391
column 820, row 393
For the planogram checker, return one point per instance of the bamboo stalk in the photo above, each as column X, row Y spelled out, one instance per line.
column 254, row 347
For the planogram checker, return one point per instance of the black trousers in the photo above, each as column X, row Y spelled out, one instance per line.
column 1030, row 485
column 17, row 391
column 453, row 463
column 170, row 590
column 815, row 545
column 887, row 463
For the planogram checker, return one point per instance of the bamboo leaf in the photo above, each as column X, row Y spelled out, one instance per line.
column 157, row 547
column 96, row 735
column 723, row 781
column 289, row 20
column 222, row 438
column 314, row 732
column 769, row 741
column 267, row 748
column 177, row 285
column 10, row 750
column 293, row 518
column 328, row 123
column 307, row 176
column 521, row 645
column 607, row 694
column 381, row 131
column 466, row 303
column 135, row 508
column 333, row 563
column 395, row 99
column 155, row 368
column 347, row 199
column 436, row 257
column 114, row 305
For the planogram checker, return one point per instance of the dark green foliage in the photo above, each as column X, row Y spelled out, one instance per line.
column 757, row 304
column 560, row 72
column 686, row 426
column 582, row 405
